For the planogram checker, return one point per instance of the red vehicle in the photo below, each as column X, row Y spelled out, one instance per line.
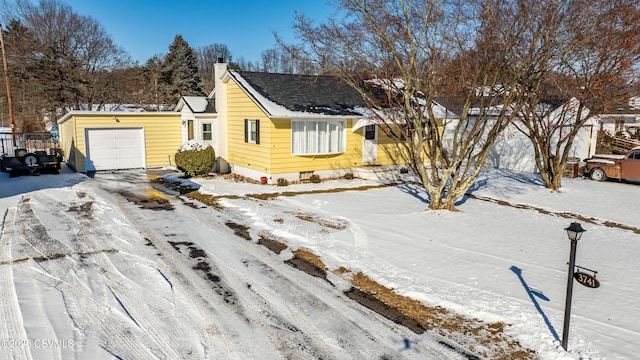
column 600, row 167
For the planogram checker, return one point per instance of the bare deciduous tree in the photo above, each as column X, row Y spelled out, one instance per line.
column 67, row 58
column 591, row 51
column 207, row 58
column 404, row 56
column 152, row 76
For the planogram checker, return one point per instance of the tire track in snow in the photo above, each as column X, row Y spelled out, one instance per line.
column 117, row 334
column 310, row 307
column 226, row 326
column 35, row 233
column 144, row 310
column 293, row 328
column 111, row 324
column 12, row 326
column 76, row 297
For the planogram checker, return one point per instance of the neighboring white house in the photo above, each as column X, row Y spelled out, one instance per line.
column 620, row 117
column 514, row 151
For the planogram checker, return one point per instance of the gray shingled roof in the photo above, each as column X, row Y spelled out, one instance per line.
column 326, row 95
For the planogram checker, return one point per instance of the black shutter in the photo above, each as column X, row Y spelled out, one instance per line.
column 257, row 131
column 246, row 130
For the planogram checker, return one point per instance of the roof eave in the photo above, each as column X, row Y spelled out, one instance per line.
column 68, row 115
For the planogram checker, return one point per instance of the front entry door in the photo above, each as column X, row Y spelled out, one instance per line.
column 370, row 144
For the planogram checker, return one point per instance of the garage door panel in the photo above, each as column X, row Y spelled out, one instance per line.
column 113, row 149
column 128, row 158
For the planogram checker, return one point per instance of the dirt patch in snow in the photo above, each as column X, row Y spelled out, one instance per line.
column 153, row 200
column 492, row 341
column 54, row 256
column 269, row 196
column 202, row 265
column 311, row 258
column 83, row 209
column 209, row 200
column 383, row 309
column 271, row 244
column 175, row 186
column 335, row 224
column 308, row 267
column 239, row 230
column 194, row 251
column 457, row 329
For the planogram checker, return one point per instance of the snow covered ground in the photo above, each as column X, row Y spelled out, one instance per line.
column 85, row 273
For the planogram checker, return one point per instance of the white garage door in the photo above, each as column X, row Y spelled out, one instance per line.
column 114, row 148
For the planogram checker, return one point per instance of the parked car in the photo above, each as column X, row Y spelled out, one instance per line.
column 31, row 162
column 601, row 167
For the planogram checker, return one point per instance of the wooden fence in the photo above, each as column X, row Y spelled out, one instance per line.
column 622, row 145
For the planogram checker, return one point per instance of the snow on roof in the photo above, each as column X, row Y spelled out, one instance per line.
column 117, row 107
column 276, row 110
column 197, row 104
column 439, row 111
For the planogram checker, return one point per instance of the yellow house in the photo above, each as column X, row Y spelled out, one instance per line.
column 96, row 140
column 263, row 126
column 293, row 126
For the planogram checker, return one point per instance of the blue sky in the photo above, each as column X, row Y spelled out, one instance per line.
column 147, row 27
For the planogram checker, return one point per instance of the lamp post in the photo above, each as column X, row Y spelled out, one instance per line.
column 574, row 232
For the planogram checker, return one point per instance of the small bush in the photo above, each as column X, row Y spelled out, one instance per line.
column 315, row 178
column 195, row 159
column 348, row 176
column 282, row 182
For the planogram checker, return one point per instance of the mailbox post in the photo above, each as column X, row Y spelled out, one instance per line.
column 574, row 232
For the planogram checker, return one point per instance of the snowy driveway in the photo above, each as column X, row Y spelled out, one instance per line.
column 86, row 273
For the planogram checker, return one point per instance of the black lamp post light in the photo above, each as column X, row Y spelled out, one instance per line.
column 574, row 232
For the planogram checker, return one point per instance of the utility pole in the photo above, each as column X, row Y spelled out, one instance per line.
column 6, row 80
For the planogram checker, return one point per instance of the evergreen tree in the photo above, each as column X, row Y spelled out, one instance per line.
column 154, row 86
column 181, row 70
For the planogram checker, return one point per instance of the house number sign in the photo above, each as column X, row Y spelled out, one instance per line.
column 586, row 279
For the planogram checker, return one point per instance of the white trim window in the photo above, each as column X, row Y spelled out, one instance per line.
column 252, row 131
column 313, row 137
column 207, row 131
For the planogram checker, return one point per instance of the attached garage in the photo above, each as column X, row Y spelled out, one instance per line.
column 115, row 148
column 95, row 141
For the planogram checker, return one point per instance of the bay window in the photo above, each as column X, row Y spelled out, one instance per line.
column 313, row 137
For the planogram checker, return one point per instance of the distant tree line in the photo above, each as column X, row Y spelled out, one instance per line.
column 59, row 60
